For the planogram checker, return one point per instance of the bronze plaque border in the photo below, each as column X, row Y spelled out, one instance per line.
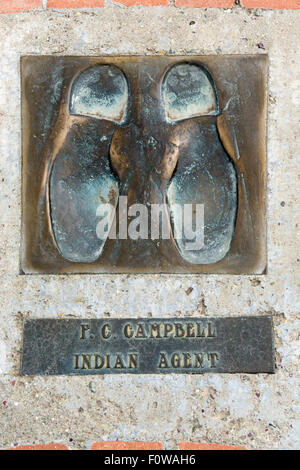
column 246, row 115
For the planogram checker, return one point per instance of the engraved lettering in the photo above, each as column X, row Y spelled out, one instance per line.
column 168, row 329
column 211, row 333
column 119, row 363
column 133, row 361
column 155, row 328
column 165, row 345
column 200, row 330
column 99, row 361
column 83, row 329
column 163, row 363
column 76, row 357
column 108, row 361
column 175, row 360
column 199, row 360
column 106, row 331
column 128, row 331
column 140, row 333
column 179, row 331
column 190, row 330
column 187, row 360
column 212, row 357
column 86, row 361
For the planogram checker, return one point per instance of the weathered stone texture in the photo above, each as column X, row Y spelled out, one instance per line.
column 257, row 411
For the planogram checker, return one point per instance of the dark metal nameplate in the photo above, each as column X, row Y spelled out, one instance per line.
column 148, row 346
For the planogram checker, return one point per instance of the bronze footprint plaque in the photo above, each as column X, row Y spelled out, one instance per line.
column 144, row 164
column 148, row 346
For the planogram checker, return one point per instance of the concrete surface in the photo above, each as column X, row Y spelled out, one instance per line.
column 259, row 411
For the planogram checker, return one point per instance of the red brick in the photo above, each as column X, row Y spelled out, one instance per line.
column 205, row 3
column 196, row 446
column 284, row 4
column 147, row 3
column 119, row 445
column 15, row 6
column 75, row 3
column 52, row 446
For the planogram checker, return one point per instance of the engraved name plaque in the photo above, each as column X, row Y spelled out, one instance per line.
column 148, row 346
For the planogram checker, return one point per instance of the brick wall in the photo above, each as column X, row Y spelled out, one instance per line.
column 118, row 445
column 15, row 6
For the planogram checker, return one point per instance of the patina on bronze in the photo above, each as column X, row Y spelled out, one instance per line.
column 148, row 346
column 158, row 130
